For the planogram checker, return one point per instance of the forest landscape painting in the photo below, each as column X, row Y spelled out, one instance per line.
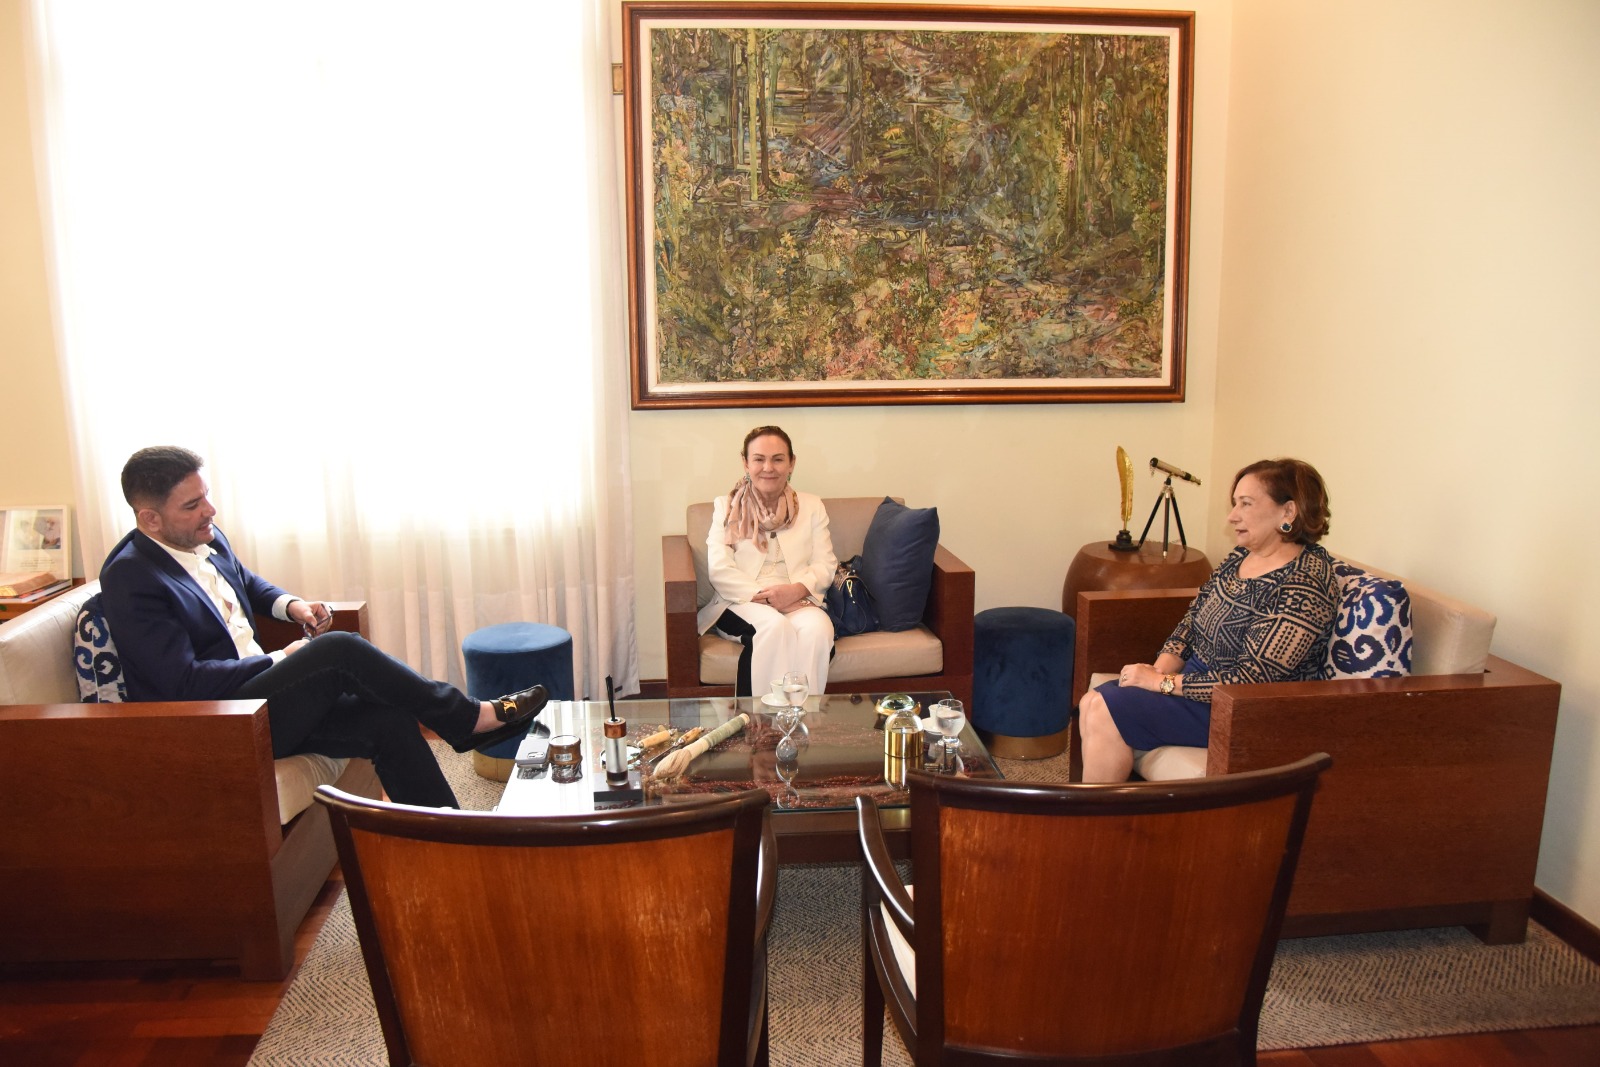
column 838, row 204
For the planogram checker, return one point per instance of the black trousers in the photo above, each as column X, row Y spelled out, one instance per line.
column 736, row 627
column 342, row 696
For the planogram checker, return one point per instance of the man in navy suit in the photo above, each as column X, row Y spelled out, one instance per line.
column 181, row 609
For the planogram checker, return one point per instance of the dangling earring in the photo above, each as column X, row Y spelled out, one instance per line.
column 1285, row 527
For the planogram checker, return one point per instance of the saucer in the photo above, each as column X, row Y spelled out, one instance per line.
column 773, row 702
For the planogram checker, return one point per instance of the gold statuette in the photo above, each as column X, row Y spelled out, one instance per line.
column 1124, row 542
column 1125, row 473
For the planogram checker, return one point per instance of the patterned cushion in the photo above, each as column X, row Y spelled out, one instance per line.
column 1372, row 632
column 95, row 656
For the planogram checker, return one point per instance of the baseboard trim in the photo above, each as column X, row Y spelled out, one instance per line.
column 1565, row 923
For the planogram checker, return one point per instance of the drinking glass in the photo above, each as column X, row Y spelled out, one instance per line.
column 796, row 688
column 949, row 716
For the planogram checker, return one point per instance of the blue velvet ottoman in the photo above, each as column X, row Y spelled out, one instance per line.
column 509, row 657
column 1022, row 680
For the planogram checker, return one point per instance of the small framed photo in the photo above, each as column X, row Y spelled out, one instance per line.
column 36, row 538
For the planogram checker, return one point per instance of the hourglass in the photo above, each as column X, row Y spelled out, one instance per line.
column 796, row 737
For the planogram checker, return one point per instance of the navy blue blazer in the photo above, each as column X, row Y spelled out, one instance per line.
column 173, row 641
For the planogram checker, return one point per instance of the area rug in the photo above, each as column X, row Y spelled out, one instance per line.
column 1323, row 991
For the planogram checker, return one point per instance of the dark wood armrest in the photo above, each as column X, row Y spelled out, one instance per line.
column 950, row 609
column 348, row 615
column 144, row 781
column 766, row 879
column 143, row 828
column 682, row 608
column 1505, row 713
column 1431, row 775
column 882, row 882
column 1117, row 627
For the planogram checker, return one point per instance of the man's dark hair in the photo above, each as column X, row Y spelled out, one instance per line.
column 151, row 474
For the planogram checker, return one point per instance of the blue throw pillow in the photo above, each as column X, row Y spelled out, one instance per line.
column 897, row 562
column 1372, row 632
column 95, row 656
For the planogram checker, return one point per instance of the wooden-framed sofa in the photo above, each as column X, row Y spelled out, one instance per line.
column 149, row 831
column 1432, row 812
column 934, row 656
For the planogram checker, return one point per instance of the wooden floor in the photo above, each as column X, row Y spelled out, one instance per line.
column 192, row 1015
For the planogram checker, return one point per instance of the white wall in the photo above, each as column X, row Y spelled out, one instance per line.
column 1019, row 488
column 1411, row 301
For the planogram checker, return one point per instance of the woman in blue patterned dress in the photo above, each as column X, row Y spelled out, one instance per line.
column 1265, row 615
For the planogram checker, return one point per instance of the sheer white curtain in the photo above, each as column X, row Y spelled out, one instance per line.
column 365, row 258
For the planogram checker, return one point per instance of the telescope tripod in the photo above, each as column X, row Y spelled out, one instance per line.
column 1170, row 516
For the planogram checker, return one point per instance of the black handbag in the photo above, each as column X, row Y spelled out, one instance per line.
column 849, row 604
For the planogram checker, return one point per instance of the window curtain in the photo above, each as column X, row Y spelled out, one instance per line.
column 366, row 259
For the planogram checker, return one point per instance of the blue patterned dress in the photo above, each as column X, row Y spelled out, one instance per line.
column 1273, row 628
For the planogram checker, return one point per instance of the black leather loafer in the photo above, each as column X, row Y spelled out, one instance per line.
column 516, row 711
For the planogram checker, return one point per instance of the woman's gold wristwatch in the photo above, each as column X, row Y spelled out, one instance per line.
column 1168, row 684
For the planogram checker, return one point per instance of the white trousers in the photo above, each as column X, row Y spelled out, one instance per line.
column 798, row 641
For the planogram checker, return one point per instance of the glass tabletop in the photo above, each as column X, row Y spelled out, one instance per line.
column 818, row 760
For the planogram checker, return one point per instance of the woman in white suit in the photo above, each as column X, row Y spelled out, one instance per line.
column 770, row 558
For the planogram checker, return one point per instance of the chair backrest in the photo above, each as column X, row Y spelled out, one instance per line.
column 1084, row 921
column 848, row 520
column 36, row 663
column 621, row 937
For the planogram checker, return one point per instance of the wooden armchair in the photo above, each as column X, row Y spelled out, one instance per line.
column 1081, row 924
column 939, row 652
column 1433, row 811
column 610, row 939
column 147, row 830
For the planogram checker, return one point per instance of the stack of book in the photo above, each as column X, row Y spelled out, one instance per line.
column 29, row 586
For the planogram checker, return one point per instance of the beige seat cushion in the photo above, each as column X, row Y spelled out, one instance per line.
column 874, row 655
column 36, row 668
column 298, row 778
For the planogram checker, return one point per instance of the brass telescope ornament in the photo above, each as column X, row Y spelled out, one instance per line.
column 1124, row 541
column 1171, row 514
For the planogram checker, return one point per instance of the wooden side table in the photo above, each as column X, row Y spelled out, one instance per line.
column 11, row 608
column 1098, row 566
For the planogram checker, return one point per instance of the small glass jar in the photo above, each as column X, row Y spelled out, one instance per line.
column 566, row 758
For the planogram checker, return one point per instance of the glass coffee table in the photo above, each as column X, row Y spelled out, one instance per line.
column 834, row 754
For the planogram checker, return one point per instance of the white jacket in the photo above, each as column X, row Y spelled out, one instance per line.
column 807, row 552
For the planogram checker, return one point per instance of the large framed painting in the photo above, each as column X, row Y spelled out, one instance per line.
column 888, row 203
